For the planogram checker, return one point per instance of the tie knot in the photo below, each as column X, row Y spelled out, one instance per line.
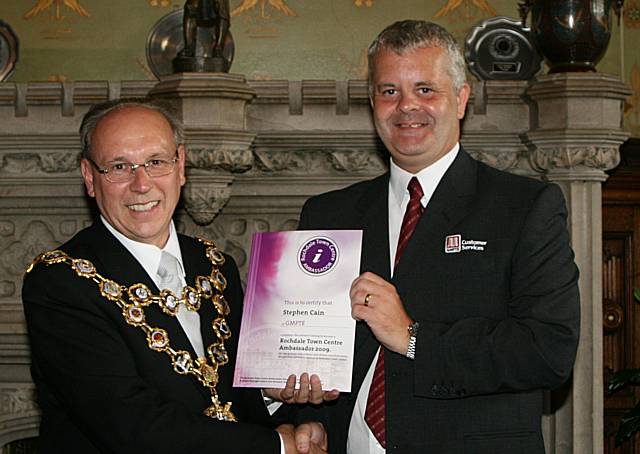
column 415, row 190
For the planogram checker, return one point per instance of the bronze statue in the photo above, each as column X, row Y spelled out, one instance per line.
column 208, row 14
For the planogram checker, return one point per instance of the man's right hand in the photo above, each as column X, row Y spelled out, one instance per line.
column 307, row 438
column 310, row 391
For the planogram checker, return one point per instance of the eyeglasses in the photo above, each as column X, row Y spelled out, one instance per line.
column 121, row 172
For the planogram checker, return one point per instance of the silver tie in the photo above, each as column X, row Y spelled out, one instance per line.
column 169, row 274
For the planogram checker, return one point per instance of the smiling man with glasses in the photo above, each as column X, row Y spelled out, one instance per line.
column 133, row 326
column 137, row 203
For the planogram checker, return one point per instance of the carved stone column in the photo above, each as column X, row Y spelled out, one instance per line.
column 213, row 108
column 574, row 137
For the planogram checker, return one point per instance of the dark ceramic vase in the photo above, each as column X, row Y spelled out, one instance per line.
column 571, row 34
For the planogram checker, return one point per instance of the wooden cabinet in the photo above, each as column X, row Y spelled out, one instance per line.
column 621, row 274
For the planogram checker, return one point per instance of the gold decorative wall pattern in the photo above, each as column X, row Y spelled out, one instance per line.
column 42, row 6
column 258, row 17
column 631, row 14
column 54, row 11
column 57, row 78
column 466, row 10
column 278, row 5
column 159, row 3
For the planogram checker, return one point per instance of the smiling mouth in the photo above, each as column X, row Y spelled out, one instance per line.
column 411, row 125
column 143, row 206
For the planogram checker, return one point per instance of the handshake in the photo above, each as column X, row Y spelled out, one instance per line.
column 310, row 437
column 307, row 438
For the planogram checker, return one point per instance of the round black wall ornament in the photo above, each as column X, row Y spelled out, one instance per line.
column 500, row 48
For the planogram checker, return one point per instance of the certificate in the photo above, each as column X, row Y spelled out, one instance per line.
column 297, row 312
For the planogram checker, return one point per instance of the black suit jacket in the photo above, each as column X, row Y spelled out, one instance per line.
column 497, row 325
column 101, row 388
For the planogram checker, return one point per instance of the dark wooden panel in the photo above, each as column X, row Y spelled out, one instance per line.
column 621, row 313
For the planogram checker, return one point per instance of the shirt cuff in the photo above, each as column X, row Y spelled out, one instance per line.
column 272, row 404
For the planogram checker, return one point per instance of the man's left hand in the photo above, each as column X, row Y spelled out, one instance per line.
column 376, row 302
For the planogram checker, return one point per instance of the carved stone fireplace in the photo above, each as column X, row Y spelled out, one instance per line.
column 258, row 149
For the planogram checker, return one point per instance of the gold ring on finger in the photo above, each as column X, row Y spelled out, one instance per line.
column 366, row 299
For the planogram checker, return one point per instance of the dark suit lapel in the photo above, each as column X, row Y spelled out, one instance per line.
column 449, row 204
column 192, row 258
column 373, row 214
column 115, row 262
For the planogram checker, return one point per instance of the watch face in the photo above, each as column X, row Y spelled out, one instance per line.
column 413, row 329
column 500, row 48
column 8, row 51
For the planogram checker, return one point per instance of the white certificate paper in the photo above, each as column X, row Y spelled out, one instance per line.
column 297, row 312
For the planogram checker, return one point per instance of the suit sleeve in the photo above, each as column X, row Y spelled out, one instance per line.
column 87, row 371
column 534, row 346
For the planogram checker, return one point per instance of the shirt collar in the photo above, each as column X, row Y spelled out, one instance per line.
column 148, row 255
column 429, row 177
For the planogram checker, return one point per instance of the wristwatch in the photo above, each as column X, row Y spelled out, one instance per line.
column 413, row 332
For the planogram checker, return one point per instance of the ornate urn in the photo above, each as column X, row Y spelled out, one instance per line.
column 572, row 35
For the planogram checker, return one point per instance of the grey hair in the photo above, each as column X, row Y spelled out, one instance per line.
column 409, row 35
column 99, row 111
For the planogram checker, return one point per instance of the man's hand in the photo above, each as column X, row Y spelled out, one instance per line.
column 310, row 391
column 377, row 303
column 308, row 438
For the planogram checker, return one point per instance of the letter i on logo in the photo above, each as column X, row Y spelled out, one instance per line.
column 317, row 257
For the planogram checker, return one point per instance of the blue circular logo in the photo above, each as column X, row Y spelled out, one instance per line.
column 318, row 256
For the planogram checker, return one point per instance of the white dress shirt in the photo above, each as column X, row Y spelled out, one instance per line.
column 361, row 440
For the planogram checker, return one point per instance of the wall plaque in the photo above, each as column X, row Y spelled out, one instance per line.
column 8, row 51
column 500, row 48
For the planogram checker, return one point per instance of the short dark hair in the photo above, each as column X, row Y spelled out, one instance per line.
column 99, row 111
column 408, row 35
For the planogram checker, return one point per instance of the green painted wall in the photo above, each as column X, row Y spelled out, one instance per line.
column 274, row 39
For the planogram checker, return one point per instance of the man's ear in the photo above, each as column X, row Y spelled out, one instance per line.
column 181, row 160
column 462, row 98
column 87, row 176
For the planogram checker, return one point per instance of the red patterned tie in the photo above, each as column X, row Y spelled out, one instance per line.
column 374, row 413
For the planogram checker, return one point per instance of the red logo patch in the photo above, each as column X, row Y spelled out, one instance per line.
column 452, row 244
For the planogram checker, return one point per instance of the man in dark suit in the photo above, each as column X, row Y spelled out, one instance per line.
column 468, row 287
column 133, row 326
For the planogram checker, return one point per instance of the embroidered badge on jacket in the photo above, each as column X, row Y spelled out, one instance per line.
column 454, row 244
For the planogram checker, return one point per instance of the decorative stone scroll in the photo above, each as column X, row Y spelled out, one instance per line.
column 234, row 161
column 574, row 158
column 205, row 197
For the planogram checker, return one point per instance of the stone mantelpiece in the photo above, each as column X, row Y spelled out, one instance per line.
column 258, row 149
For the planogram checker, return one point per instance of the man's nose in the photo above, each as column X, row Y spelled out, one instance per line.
column 141, row 181
column 408, row 102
